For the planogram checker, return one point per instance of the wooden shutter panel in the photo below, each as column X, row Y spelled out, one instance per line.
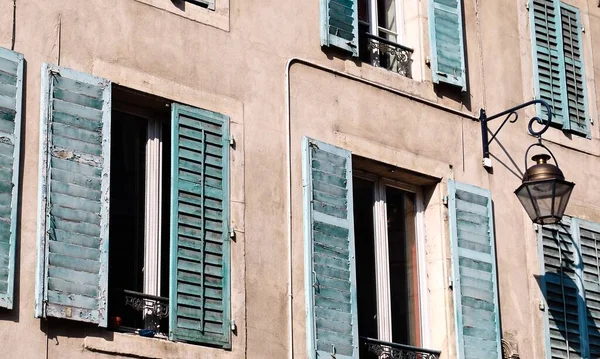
column 446, row 40
column 210, row 4
column 474, row 272
column 74, row 196
column 339, row 24
column 199, row 287
column 562, row 268
column 575, row 89
column 11, row 90
column 589, row 240
column 330, row 271
column 548, row 63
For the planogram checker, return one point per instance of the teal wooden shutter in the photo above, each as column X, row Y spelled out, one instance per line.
column 589, row 240
column 561, row 268
column 575, row 90
column 446, row 41
column 199, row 273
column 330, row 270
column 11, row 94
column 474, row 272
column 548, row 64
column 339, row 24
column 72, row 271
column 210, row 4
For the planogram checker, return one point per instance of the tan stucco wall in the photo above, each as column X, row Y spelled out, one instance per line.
column 238, row 68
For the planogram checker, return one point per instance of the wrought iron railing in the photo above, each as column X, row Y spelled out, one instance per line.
column 132, row 311
column 148, row 304
column 384, row 350
column 382, row 52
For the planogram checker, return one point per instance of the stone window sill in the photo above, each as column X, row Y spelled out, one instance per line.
column 218, row 18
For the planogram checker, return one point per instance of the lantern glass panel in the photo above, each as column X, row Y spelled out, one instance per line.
column 545, row 201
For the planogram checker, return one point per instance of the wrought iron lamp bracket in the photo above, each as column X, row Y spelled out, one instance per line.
column 511, row 115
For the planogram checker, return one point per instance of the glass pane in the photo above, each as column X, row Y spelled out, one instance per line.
column 363, row 10
column 365, row 259
column 404, row 283
column 386, row 17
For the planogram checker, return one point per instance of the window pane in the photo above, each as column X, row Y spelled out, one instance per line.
column 386, row 18
column 365, row 258
column 363, row 10
column 404, row 288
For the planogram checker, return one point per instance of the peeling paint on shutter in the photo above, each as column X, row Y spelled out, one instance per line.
column 330, row 271
column 11, row 95
column 339, row 24
column 474, row 272
column 199, row 303
column 575, row 90
column 446, row 42
column 72, row 270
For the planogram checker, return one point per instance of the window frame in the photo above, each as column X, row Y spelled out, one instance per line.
column 380, row 216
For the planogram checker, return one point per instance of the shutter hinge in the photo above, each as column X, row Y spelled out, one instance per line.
column 450, row 282
column 232, row 325
column 542, row 306
column 231, row 141
column 527, row 5
column 591, row 121
column 583, row 29
column 536, row 227
column 445, row 200
column 232, row 232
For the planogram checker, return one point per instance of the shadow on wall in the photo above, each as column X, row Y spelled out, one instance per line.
column 572, row 330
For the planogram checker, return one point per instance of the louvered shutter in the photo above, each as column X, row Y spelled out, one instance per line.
column 562, row 290
column 74, row 196
column 574, row 72
column 199, row 288
column 11, row 89
column 330, row 272
column 474, row 272
column 446, row 41
column 339, row 24
column 589, row 240
column 548, row 63
column 210, row 4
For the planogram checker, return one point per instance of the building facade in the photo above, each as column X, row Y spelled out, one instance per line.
column 275, row 179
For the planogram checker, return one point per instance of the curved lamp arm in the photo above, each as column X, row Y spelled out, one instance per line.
column 512, row 116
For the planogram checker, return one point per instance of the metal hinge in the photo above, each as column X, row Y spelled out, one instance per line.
column 232, row 232
column 231, row 141
column 445, row 200
column 450, row 283
column 527, row 5
column 536, row 227
column 232, row 325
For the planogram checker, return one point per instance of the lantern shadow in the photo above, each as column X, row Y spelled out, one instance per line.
column 565, row 304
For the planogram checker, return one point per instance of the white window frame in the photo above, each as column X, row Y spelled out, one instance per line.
column 374, row 27
column 380, row 237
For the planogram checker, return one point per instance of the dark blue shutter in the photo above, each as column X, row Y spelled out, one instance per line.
column 330, row 278
column 199, row 287
column 446, row 41
column 11, row 90
column 74, row 196
column 474, row 272
column 339, row 24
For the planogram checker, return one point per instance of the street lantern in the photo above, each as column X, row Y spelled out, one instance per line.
column 544, row 192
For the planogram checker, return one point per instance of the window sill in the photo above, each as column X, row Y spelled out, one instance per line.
column 218, row 18
column 574, row 142
column 123, row 344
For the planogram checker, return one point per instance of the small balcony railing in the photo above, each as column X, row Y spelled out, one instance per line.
column 132, row 311
column 381, row 52
column 378, row 349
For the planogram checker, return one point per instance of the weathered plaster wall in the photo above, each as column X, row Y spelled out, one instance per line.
column 241, row 72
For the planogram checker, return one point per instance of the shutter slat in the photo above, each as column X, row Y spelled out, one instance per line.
column 330, row 276
column 446, row 41
column 72, row 276
column 199, row 301
column 11, row 93
column 474, row 272
column 339, row 25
